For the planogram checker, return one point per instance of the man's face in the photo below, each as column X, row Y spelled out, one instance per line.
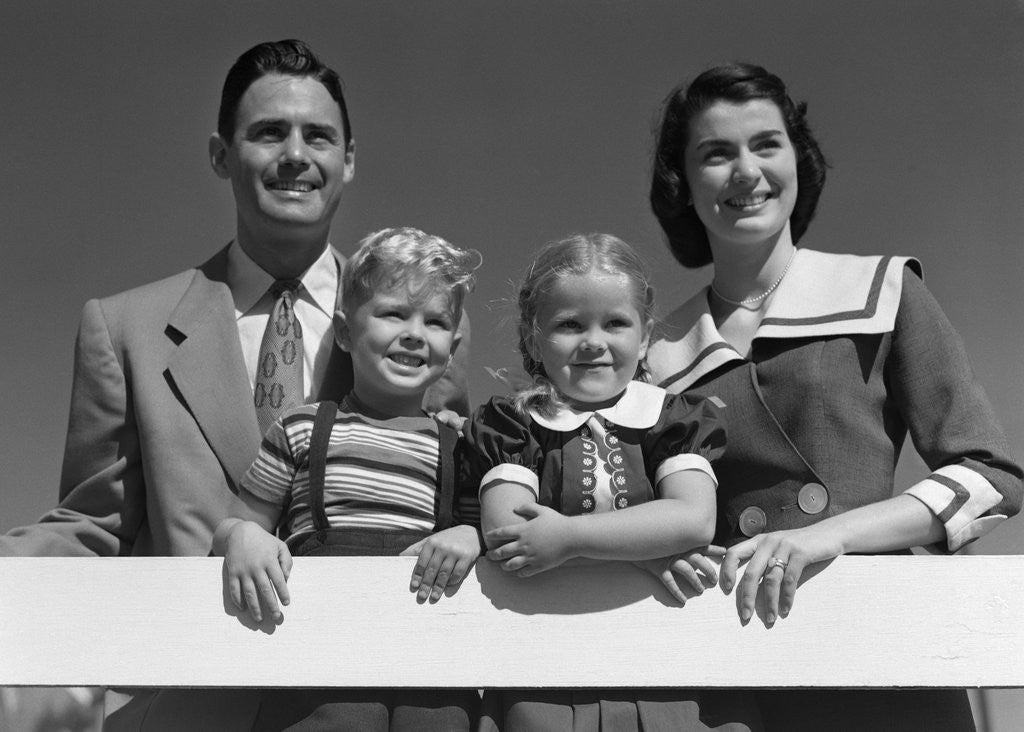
column 287, row 161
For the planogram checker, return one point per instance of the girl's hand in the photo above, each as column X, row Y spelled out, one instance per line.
column 544, row 541
column 695, row 567
column 255, row 571
column 445, row 559
column 776, row 564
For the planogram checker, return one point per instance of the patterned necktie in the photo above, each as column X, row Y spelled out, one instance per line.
column 279, row 370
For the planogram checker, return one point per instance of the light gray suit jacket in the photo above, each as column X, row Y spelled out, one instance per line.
column 162, row 423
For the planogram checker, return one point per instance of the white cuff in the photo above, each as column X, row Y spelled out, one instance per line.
column 958, row 496
column 687, row 461
column 512, row 473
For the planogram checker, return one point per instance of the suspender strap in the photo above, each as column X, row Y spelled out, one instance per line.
column 447, row 442
column 319, row 441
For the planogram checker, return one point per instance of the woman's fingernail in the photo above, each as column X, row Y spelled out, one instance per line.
column 744, row 616
column 770, row 620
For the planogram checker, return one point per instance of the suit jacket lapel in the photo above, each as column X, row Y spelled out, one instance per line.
column 209, row 371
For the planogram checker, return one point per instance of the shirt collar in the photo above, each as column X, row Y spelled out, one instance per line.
column 639, row 408
column 823, row 294
column 248, row 282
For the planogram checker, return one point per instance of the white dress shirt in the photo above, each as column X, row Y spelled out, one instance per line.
column 314, row 307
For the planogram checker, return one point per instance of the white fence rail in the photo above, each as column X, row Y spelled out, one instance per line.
column 919, row 621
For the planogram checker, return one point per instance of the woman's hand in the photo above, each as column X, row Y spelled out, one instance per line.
column 776, row 563
column 544, row 541
column 445, row 559
column 255, row 571
column 695, row 567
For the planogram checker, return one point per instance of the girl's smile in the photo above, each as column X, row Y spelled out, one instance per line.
column 590, row 336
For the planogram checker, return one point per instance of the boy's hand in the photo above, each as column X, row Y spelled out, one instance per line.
column 445, row 559
column 256, row 569
column 544, row 541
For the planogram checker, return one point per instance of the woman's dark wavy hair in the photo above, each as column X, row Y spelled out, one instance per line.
column 738, row 82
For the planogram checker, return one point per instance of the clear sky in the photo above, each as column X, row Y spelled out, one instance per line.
column 498, row 125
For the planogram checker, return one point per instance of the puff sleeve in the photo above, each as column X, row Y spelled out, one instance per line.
column 974, row 484
column 690, row 433
column 502, row 446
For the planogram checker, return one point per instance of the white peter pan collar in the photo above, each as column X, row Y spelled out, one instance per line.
column 639, row 408
column 823, row 294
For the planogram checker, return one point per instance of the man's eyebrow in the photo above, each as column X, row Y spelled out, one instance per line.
column 325, row 127
column 265, row 122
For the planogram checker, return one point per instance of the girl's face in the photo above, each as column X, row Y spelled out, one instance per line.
column 590, row 337
column 741, row 169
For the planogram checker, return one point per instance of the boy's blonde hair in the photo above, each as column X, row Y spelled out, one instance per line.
column 391, row 257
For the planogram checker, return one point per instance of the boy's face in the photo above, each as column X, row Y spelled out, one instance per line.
column 401, row 341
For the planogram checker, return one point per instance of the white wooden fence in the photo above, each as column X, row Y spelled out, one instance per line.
column 919, row 621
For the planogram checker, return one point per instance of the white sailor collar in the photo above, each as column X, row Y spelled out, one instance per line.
column 823, row 294
column 639, row 408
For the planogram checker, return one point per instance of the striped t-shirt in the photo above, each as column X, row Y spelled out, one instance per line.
column 381, row 472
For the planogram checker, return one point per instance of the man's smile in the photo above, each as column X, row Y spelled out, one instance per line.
column 298, row 186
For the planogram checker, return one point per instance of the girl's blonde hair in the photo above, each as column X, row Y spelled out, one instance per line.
column 578, row 254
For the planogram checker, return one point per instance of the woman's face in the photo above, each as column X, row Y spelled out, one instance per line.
column 741, row 169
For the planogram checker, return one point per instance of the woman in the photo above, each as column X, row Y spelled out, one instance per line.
column 824, row 362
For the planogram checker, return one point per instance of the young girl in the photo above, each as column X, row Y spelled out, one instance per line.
column 591, row 462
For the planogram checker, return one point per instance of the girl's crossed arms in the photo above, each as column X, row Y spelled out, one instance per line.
column 590, row 463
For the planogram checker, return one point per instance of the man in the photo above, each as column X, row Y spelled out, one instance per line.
column 163, row 422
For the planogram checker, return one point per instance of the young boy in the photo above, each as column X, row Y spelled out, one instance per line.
column 382, row 480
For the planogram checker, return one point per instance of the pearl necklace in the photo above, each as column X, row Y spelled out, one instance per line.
column 763, row 295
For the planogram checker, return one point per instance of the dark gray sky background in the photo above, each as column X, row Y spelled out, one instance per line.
column 498, row 125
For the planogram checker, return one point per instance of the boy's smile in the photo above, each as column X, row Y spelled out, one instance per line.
column 401, row 341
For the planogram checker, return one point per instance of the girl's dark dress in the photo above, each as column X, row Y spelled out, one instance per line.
column 584, row 462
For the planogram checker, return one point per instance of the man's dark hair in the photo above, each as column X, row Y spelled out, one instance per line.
column 289, row 57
